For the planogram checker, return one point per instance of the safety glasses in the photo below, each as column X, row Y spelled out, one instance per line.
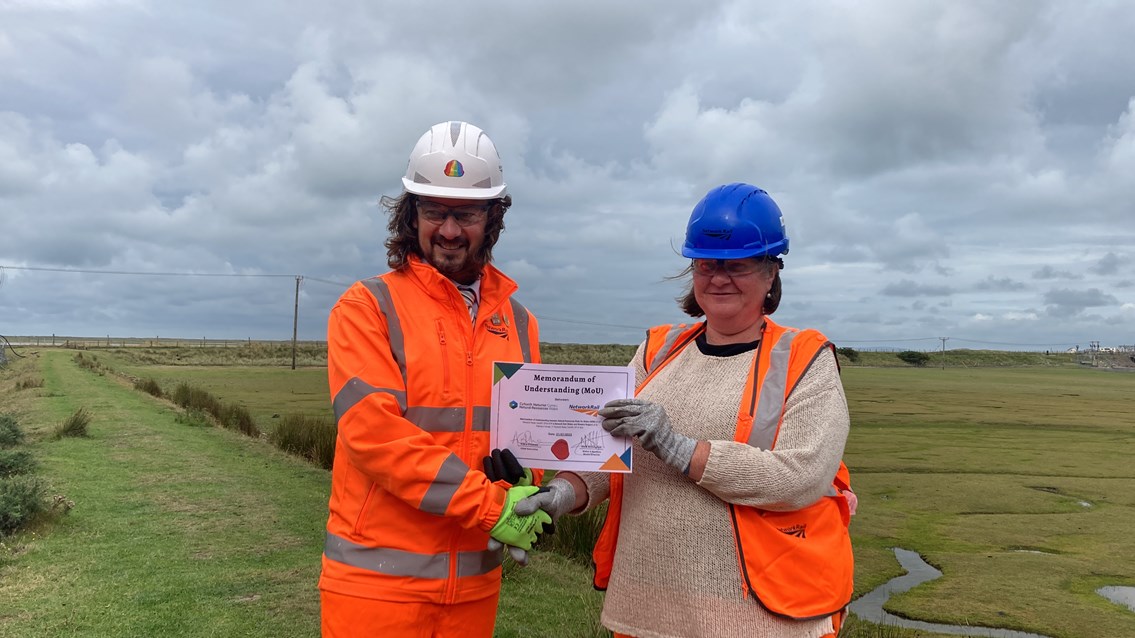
column 731, row 267
column 467, row 215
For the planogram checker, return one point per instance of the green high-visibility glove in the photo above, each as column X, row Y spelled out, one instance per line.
column 514, row 529
column 649, row 422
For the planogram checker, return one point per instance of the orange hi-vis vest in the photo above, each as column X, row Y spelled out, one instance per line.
column 797, row 564
column 411, row 380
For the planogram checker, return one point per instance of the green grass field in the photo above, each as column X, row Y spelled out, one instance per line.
column 1014, row 481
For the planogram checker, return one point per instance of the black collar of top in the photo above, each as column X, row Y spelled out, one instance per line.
column 724, row 350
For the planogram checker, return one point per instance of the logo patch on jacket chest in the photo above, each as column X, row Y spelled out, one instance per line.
column 494, row 326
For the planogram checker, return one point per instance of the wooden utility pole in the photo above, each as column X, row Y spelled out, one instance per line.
column 944, row 339
column 295, row 321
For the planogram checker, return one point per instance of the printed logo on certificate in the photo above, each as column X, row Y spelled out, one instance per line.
column 548, row 415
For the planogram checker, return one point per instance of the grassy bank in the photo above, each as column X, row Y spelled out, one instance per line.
column 175, row 531
column 1014, row 481
column 192, row 531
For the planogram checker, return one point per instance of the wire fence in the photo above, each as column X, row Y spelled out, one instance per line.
column 109, row 341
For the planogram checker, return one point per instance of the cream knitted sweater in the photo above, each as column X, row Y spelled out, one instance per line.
column 675, row 572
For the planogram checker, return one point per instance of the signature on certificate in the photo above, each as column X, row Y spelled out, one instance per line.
column 592, row 441
column 524, row 438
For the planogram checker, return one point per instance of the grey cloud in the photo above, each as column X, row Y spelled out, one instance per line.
column 1048, row 272
column 1109, row 264
column 933, row 142
column 1065, row 302
column 910, row 288
column 1000, row 284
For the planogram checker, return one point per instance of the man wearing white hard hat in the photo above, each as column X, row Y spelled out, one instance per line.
column 415, row 531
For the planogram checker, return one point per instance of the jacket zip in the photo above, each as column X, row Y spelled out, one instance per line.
column 467, row 337
column 444, row 356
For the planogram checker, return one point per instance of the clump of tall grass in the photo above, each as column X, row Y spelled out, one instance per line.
column 193, row 398
column 21, row 499
column 229, row 415
column 194, row 418
column 29, row 383
column 312, row 438
column 575, row 536
column 10, row 432
column 90, row 363
column 150, row 386
column 74, row 425
column 237, row 417
column 15, row 462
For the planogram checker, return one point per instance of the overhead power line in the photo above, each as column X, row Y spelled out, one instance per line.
column 591, row 323
column 152, row 274
column 326, row 281
column 1009, row 343
column 884, row 340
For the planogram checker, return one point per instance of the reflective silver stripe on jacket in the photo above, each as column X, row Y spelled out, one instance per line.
column 771, row 400
column 397, row 562
column 427, row 418
column 356, row 390
column 381, row 292
column 667, row 344
column 444, row 486
column 520, row 316
column 447, row 419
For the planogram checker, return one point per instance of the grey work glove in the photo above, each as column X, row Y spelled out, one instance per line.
column 518, row 555
column 556, row 498
column 648, row 422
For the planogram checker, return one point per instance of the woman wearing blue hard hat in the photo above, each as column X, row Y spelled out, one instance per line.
column 734, row 521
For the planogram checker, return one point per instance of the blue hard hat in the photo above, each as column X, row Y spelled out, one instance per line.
column 735, row 221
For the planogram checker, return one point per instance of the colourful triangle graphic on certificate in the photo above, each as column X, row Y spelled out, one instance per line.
column 505, row 370
column 615, row 464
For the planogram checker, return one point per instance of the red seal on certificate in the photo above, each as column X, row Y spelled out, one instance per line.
column 560, row 449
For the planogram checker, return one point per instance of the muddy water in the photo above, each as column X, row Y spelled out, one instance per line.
column 870, row 606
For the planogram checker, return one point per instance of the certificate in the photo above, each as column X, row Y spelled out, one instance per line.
column 548, row 415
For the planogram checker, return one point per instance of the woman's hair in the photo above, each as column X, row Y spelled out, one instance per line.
column 403, row 228
column 689, row 304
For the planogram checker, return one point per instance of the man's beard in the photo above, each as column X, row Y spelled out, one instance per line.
column 464, row 268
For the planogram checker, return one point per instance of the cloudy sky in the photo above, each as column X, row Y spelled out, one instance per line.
column 961, row 169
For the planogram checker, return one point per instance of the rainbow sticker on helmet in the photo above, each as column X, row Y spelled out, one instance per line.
column 454, row 169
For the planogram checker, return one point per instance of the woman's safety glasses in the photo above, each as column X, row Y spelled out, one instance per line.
column 466, row 215
column 731, row 267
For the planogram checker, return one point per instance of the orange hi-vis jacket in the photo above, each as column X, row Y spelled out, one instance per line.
column 797, row 564
column 410, row 380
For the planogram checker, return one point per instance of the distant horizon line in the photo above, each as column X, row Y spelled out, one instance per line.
column 877, row 345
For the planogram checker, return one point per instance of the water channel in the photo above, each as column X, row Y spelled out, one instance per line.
column 870, row 606
column 1119, row 595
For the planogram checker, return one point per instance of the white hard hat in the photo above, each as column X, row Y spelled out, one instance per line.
column 455, row 159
